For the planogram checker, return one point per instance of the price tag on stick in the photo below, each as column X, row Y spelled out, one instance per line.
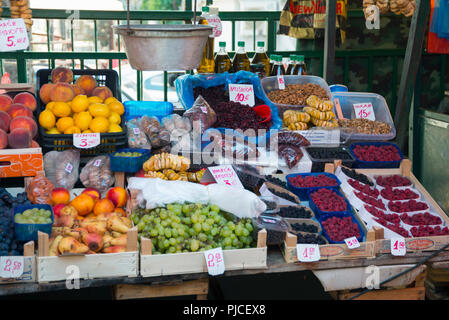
column 242, row 93
column 86, row 140
column 11, row 267
column 13, row 35
column 281, row 82
column 364, row 111
column 308, row 252
column 398, row 247
column 352, row 243
column 214, row 261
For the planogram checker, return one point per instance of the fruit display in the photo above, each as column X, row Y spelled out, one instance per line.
column 377, row 153
column 395, row 227
column 421, row 219
column 295, row 212
column 21, row 9
column 357, row 176
column 407, row 206
column 378, row 203
column 62, row 168
column 289, row 146
column 339, row 229
column 320, row 180
column 97, row 174
column 178, row 228
column 393, row 181
column 365, row 126
column 127, row 154
column 426, row 231
column 39, row 190
column 276, row 181
column 168, row 166
column 297, row 94
column 310, row 238
column 320, row 112
column 80, row 107
column 33, row 216
column 304, row 227
column 327, row 200
column 234, row 115
column 283, row 194
column 364, row 188
column 398, row 194
column 393, row 217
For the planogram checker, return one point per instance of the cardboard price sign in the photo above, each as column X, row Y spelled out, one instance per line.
column 364, row 111
column 281, row 82
column 214, row 261
column 398, row 247
column 11, row 267
column 352, row 243
column 86, row 140
column 13, row 35
column 242, row 93
column 308, row 252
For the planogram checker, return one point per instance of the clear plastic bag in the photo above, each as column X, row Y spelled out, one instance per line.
column 62, row 168
column 97, row 174
column 201, row 115
column 177, row 126
column 39, row 190
column 156, row 133
column 137, row 138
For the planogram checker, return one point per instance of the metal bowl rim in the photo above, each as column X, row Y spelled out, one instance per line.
column 162, row 27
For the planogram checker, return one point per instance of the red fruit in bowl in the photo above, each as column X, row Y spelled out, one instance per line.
column 94, row 193
column 57, row 209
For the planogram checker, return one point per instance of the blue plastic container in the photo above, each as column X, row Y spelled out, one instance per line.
column 319, row 213
column 159, row 109
column 302, row 192
column 375, row 164
column 28, row 232
column 338, row 88
column 340, row 215
column 129, row 164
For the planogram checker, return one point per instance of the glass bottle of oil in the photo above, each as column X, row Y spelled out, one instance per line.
column 278, row 67
column 241, row 60
column 222, row 60
column 272, row 57
column 291, row 64
column 207, row 64
column 300, row 68
column 261, row 57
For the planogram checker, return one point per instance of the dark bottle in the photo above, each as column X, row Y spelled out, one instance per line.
column 278, row 67
column 261, row 57
column 222, row 60
column 300, row 68
column 291, row 64
column 241, row 60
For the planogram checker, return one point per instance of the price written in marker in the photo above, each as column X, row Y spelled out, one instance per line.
column 13, row 35
column 281, row 82
column 364, row 111
column 398, row 247
column 68, row 168
column 214, row 261
column 308, row 252
column 136, row 131
column 352, row 243
column 11, row 267
column 242, row 93
column 86, row 140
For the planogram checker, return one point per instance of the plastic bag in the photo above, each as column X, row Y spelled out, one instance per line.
column 177, row 126
column 62, row 168
column 291, row 154
column 137, row 138
column 157, row 134
column 288, row 137
column 201, row 115
column 238, row 148
column 97, row 174
column 39, row 190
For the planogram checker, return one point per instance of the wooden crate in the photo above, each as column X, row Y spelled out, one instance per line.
column 20, row 162
column 194, row 262
column 92, row 266
column 29, row 267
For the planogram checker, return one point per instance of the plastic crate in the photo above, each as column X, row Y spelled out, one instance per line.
column 109, row 142
column 375, row 164
column 381, row 113
column 302, row 193
column 129, row 164
column 319, row 213
column 28, row 232
column 341, row 215
column 319, row 163
column 159, row 109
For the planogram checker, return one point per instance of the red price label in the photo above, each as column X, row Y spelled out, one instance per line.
column 364, row 111
column 214, row 261
column 398, row 247
column 86, row 140
column 281, row 82
column 308, row 252
column 11, row 267
column 13, row 35
column 242, row 93
column 352, row 243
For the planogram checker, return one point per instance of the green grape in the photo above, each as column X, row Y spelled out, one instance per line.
column 227, row 233
column 185, row 209
column 194, row 245
column 160, row 230
column 165, row 243
column 153, row 232
column 195, row 218
column 205, row 210
column 197, row 227
column 238, row 230
column 210, row 237
column 172, row 241
column 167, row 232
column 236, row 242
column 249, row 226
column 170, row 207
column 140, row 226
column 177, row 219
column 163, row 215
column 47, row 214
column 147, row 228
column 205, row 227
column 202, row 219
column 164, row 223
column 181, row 231
column 187, row 220
column 210, row 221
column 222, row 221
column 157, row 220
column 227, row 241
column 135, row 219
column 215, row 208
column 217, row 219
column 192, row 232
column 174, row 232
column 233, row 236
column 214, row 231
column 231, row 225
column 146, row 218
column 172, row 250
column 179, row 239
column 202, row 237
column 249, row 240
column 245, row 232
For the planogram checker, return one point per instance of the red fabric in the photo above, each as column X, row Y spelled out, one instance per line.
column 435, row 44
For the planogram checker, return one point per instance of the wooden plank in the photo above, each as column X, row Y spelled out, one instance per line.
column 371, row 235
column 28, row 249
column 329, row 168
column 145, row 246
column 141, row 291
column 131, row 240
column 43, row 244
column 395, row 294
column 262, row 238
column 119, row 179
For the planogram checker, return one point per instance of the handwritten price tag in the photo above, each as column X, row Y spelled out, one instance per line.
column 215, row 22
column 68, row 168
column 352, row 243
column 225, row 174
column 13, row 35
column 364, row 111
column 398, row 247
column 214, row 261
column 86, row 140
column 11, row 267
column 308, row 252
column 242, row 93
column 281, row 82
column 136, row 131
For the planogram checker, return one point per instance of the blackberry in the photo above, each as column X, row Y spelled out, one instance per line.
column 357, row 176
column 283, row 195
column 271, row 205
column 294, row 212
column 276, row 181
column 275, row 237
column 329, row 153
column 310, row 238
column 305, row 227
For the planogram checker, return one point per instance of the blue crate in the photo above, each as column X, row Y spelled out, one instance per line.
column 28, row 232
column 302, row 192
column 340, row 215
column 375, row 164
column 129, row 164
column 318, row 212
column 136, row 109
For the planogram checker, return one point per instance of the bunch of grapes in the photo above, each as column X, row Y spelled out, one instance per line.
column 192, row 227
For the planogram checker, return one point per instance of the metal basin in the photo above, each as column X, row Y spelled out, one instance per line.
column 152, row 47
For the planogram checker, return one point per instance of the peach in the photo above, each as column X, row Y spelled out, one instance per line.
column 102, row 92
column 120, row 212
column 5, row 102
column 57, row 209
column 103, row 206
column 18, row 109
column 61, row 74
column 5, row 119
column 118, row 196
column 3, row 139
column 34, row 144
column 77, row 90
column 60, row 196
column 44, row 92
column 24, row 122
column 69, row 210
column 87, row 83
column 61, row 92
column 27, row 99
column 83, row 204
column 19, row 138
column 94, row 193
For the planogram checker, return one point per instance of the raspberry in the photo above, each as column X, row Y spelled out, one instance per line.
column 374, row 153
column 420, row 219
column 407, row 206
column 393, row 218
column 372, row 201
column 426, row 231
column 393, row 227
column 313, row 181
column 398, row 194
column 339, row 229
column 328, row 201
column 372, row 192
column 393, row 181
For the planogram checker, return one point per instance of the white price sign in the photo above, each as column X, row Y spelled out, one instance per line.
column 242, row 93
column 86, row 140
column 13, row 35
column 352, row 243
column 364, row 111
column 225, row 174
column 214, row 261
column 398, row 247
column 136, row 131
column 308, row 252
column 215, row 22
column 11, row 267
column 68, row 168
column 281, row 82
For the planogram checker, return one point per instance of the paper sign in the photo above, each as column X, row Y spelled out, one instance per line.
column 136, row 131
column 364, row 111
column 327, row 137
column 215, row 22
column 338, row 108
column 308, row 252
column 68, row 168
column 281, row 82
column 398, row 247
column 242, row 93
column 97, row 163
column 214, row 261
column 224, row 174
column 11, row 267
column 352, row 243
column 86, row 140
column 13, row 35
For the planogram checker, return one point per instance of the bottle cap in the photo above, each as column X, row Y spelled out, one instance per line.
column 293, row 57
column 300, row 58
column 222, row 44
column 241, row 43
column 272, row 57
column 204, row 9
column 260, row 44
